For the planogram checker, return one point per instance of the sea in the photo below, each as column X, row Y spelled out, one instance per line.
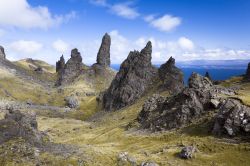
column 215, row 73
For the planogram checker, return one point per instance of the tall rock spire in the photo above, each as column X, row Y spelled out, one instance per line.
column 2, row 53
column 103, row 56
column 60, row 64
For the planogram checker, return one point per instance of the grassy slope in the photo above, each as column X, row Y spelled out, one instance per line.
column 111, row 133
column 49, row 72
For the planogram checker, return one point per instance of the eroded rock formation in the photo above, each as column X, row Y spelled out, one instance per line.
column 161, row 113
column 17, row 124
column 103, row 56
column 72, row 68
column 60, row 65
column 133, row 79
column 233, row 118
column 171, row 76
column 247, row 75
column 2, row 53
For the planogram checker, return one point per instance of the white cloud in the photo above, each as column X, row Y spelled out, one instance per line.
column 26, row 47
column 99, row 2
column 124, row 10
column 19, row 13
column 165, row 23
column 2, row 32
column 60, row 46
column 120, row 9
column 149, row 18
column 186, row 43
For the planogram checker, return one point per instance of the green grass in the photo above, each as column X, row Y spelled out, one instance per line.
column 107, row 135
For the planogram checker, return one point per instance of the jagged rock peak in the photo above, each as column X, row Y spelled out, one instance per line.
column 72, row 68
column 103, row 56
column 208, row 75
column 197, row 81
column 76, row 55
column 2, row 53
column 132, row 81
column 171, row 76
column 247, row 75
column 147, row 50
column 60, row 64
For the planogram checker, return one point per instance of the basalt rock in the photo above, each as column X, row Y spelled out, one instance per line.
column 103, row 56
column 233, row 118
column 247, row 75
column 171, row 76
column 60, row 65
column 161, row 113
column 135, row 76
column 72, row 68
column 187, row 152
column 16, row 124
column 207, row 75
column 197, row 81
column 2, row 53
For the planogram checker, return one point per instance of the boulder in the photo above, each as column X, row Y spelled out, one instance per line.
column 17, row 124
column 187, row 152
column 72, row 102
column 233, row 118
column 123, row 159
column 171, row 76
column 134, row 78
column 2, row 53
column 103, row 56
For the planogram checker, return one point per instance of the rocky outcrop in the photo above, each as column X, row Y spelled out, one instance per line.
column 233, row 118
column 187, row 152
column 247, row 75
column 207, row 75
column 161, row 113
column 16, row 124
column 60, row 65
column 171, row 76
column 72, row 68
column 197, row 81
column 103, row 56
column 135, row 76
column 39, row 70
column 2, row 53
column 124, row 159
column 71, row 102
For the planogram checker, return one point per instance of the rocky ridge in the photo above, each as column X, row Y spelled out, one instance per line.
column 137, row 75
column 165, row 113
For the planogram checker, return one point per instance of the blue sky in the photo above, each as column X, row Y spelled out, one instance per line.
column 184, row 29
